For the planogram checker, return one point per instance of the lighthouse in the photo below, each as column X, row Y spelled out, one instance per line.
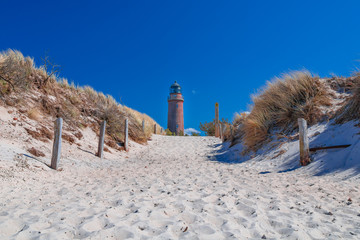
column 176, row 110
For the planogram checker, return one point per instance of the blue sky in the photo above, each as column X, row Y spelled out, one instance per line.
column 219, row 51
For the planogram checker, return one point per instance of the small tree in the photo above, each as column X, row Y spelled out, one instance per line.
column 50, row 69
column 209, row 127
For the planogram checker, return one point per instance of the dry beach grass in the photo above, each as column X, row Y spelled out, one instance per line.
column 44, row 96
column 279, row 105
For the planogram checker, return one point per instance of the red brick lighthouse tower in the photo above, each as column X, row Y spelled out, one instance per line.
column 176, row 110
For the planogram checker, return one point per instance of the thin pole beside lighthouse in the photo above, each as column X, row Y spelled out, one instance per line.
column 217, row 123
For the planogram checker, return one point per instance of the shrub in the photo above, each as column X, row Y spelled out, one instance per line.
column 169, row 133
column 15, row 69
column 209, row 127
column 294, row 95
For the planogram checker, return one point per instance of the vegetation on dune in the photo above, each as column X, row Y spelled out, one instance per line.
column 351, row 108
column 46, row 96
column 194, row 134
column 209, row 127
column 169, row 133
column 149, row 122
column 277, row 107
column 235, row 135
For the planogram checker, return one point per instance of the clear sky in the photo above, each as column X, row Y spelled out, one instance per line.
column 218, row 51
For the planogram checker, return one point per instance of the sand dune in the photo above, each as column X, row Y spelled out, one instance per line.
column 172, row 188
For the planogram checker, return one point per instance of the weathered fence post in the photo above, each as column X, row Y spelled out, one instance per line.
column 217, row 126
column 56, row 152
column 161, row 130
column 143, row 126
column 220, row 131
column 155, row 128
column 126, row 141
column 304, row 142
column 231, row 131
column 100, row 152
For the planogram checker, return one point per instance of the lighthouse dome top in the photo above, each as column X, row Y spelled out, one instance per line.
column 175, row 88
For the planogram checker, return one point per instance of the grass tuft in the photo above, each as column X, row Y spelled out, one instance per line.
column 350, row 109
column 34, row 114
column 277, row 107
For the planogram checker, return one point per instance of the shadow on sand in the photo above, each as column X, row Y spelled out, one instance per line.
column 39, row 160
column 324, row 161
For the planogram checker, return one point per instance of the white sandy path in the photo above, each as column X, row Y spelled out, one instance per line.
column 171, row 189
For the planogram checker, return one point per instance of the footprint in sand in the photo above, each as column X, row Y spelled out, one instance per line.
column 205, row 230
column 248, row 211
column 11, row 227
column 188, row 217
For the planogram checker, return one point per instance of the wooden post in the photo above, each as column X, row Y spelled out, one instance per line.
column 143, row 126
column 304, row 142
column 56, row 152
column 126, row 141
column 231, row 130
column 220, row 130
column 100, row 152
column 154, row 128
column 217, row 126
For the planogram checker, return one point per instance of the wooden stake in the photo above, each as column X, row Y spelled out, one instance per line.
column 220, row 130
column 143, row 126
column 154, row 128
column 217, row 126
column 126, row 141
column 56, row 152
column 100, row 152
column 304, row 142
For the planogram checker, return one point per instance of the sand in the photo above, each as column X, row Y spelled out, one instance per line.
column 172, row 188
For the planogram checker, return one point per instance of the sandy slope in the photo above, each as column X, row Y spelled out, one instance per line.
column 172, row 188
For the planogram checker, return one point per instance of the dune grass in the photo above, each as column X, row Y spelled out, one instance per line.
column 277, row 107
column 25, row 85
column 34, row 114
column 351, row 108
